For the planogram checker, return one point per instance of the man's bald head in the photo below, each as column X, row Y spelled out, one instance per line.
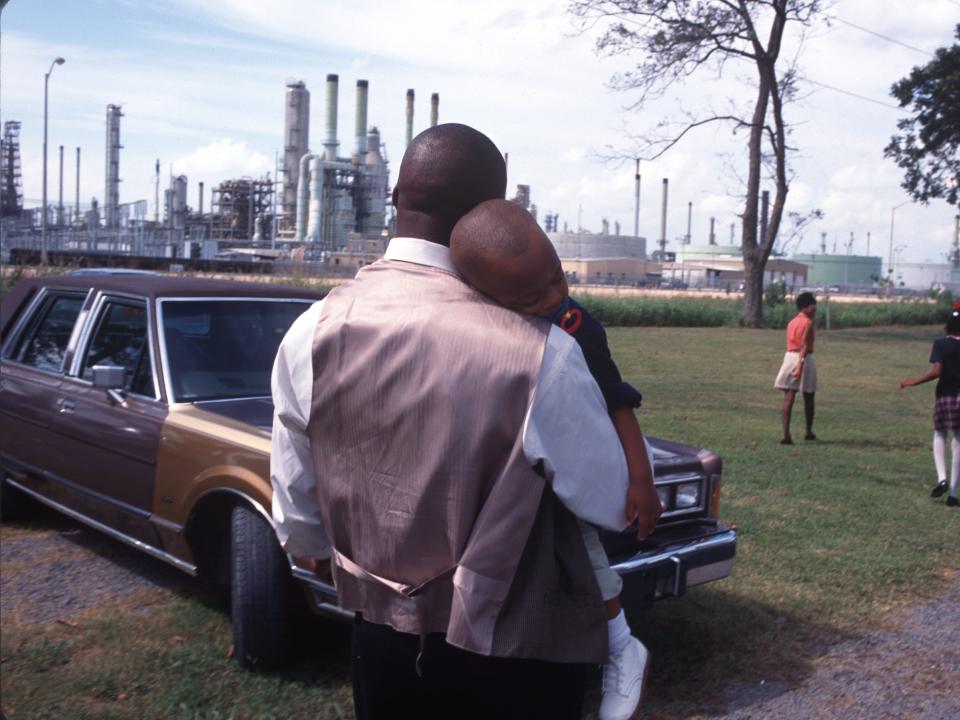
column 446, row 170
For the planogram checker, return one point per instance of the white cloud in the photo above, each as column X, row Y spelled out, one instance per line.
column 224, row 158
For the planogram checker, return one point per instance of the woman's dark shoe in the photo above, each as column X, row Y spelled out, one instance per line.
column 939, row 489
column 952, row 501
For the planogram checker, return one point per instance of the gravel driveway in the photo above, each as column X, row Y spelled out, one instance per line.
column 908, row 668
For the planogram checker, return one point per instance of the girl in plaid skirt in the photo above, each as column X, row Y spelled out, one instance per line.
column 945, row 356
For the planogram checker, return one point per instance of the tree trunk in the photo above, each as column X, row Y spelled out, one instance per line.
column 752, row 291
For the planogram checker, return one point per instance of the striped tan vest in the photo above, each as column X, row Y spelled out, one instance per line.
column 438, row 523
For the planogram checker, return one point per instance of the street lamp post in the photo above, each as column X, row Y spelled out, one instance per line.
column 893, row 211
column 43, row 218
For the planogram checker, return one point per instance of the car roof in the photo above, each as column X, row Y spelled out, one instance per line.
column 153, row 286
column 149, row 286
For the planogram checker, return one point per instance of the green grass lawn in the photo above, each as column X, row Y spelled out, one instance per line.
column 833, row 535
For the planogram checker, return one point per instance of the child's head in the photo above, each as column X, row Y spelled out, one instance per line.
column 953, row 320
column 500, row 250
column 807, row 303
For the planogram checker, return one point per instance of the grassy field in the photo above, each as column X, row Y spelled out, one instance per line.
column 834, row 535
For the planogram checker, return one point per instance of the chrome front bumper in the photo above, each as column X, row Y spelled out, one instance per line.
column 670, row 570
column 646, row 576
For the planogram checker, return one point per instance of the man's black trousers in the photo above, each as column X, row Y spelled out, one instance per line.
column 454, row 683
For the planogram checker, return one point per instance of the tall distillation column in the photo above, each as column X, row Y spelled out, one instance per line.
column 111, row 204
column 296, row 144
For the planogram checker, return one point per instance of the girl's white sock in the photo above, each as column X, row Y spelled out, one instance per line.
column 940, row 454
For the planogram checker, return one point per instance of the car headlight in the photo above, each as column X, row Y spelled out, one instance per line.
column 664, row 494
column 688, row 495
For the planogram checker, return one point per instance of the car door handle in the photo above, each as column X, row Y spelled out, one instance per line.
column 67, row 407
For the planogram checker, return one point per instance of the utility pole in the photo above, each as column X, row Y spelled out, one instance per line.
column 636, row 201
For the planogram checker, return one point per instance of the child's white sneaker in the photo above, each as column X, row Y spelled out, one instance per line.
column 624, row 680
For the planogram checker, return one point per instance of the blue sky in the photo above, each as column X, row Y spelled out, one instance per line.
column 201, row 83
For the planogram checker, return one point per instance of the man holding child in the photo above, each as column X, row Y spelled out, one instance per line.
column 439, row 449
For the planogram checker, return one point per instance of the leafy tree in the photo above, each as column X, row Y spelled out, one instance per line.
column 677, row 38
column 928, row 145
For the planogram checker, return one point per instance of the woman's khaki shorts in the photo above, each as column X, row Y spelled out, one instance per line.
column 787, row 379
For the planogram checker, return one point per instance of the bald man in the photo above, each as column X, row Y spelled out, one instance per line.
column 421, row 443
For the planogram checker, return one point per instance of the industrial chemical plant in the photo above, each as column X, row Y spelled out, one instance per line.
column 322, row 202
column 328, row 210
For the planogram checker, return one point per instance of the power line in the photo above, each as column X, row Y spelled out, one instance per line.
column 854, row 95
column 884, row 37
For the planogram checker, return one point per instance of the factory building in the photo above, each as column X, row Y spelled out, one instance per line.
column 587, row 246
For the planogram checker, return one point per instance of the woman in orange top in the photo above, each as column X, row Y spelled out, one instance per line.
column 798, row 371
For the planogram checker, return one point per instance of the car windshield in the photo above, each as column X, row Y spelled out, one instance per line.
column 224, row 349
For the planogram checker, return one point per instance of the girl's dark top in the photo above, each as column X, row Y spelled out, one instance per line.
column 946, row 351
column 592, row 339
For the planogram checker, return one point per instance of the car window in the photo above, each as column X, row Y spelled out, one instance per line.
column 44, row 342
column 223, row 349
column 120, row 341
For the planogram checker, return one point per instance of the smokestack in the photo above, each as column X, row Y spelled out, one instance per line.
column 434, row 109
column 361, row 123
column 76, row 207
column 663, row 221
column 60, row 203
column 713, row 236
column 200, row 202
column 868, row 243
column 690, row 221
column 330, row 144
column 409, row 116
column 636, row 202
column 156, row 192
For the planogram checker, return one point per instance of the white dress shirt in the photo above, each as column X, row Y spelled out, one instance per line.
column 567, row 427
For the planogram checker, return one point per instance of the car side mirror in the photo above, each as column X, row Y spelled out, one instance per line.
column 109, row 377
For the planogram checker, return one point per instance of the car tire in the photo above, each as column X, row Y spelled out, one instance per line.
column 259, row 591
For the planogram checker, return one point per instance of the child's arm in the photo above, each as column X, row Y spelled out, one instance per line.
column 643, row 503
column 804, row 344
column 908, row 382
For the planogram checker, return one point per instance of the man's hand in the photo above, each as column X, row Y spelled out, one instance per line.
column 643, row 504
column 798, row 373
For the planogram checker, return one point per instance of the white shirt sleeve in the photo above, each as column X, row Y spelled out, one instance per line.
column 296, row 510
column 569, row 430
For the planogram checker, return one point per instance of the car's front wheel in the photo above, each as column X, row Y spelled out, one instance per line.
column 259, row 591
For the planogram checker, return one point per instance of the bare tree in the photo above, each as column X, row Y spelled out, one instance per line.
column 677, row 39
column 799, row 222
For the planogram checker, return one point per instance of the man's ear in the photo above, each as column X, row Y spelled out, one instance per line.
column 395, row 195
